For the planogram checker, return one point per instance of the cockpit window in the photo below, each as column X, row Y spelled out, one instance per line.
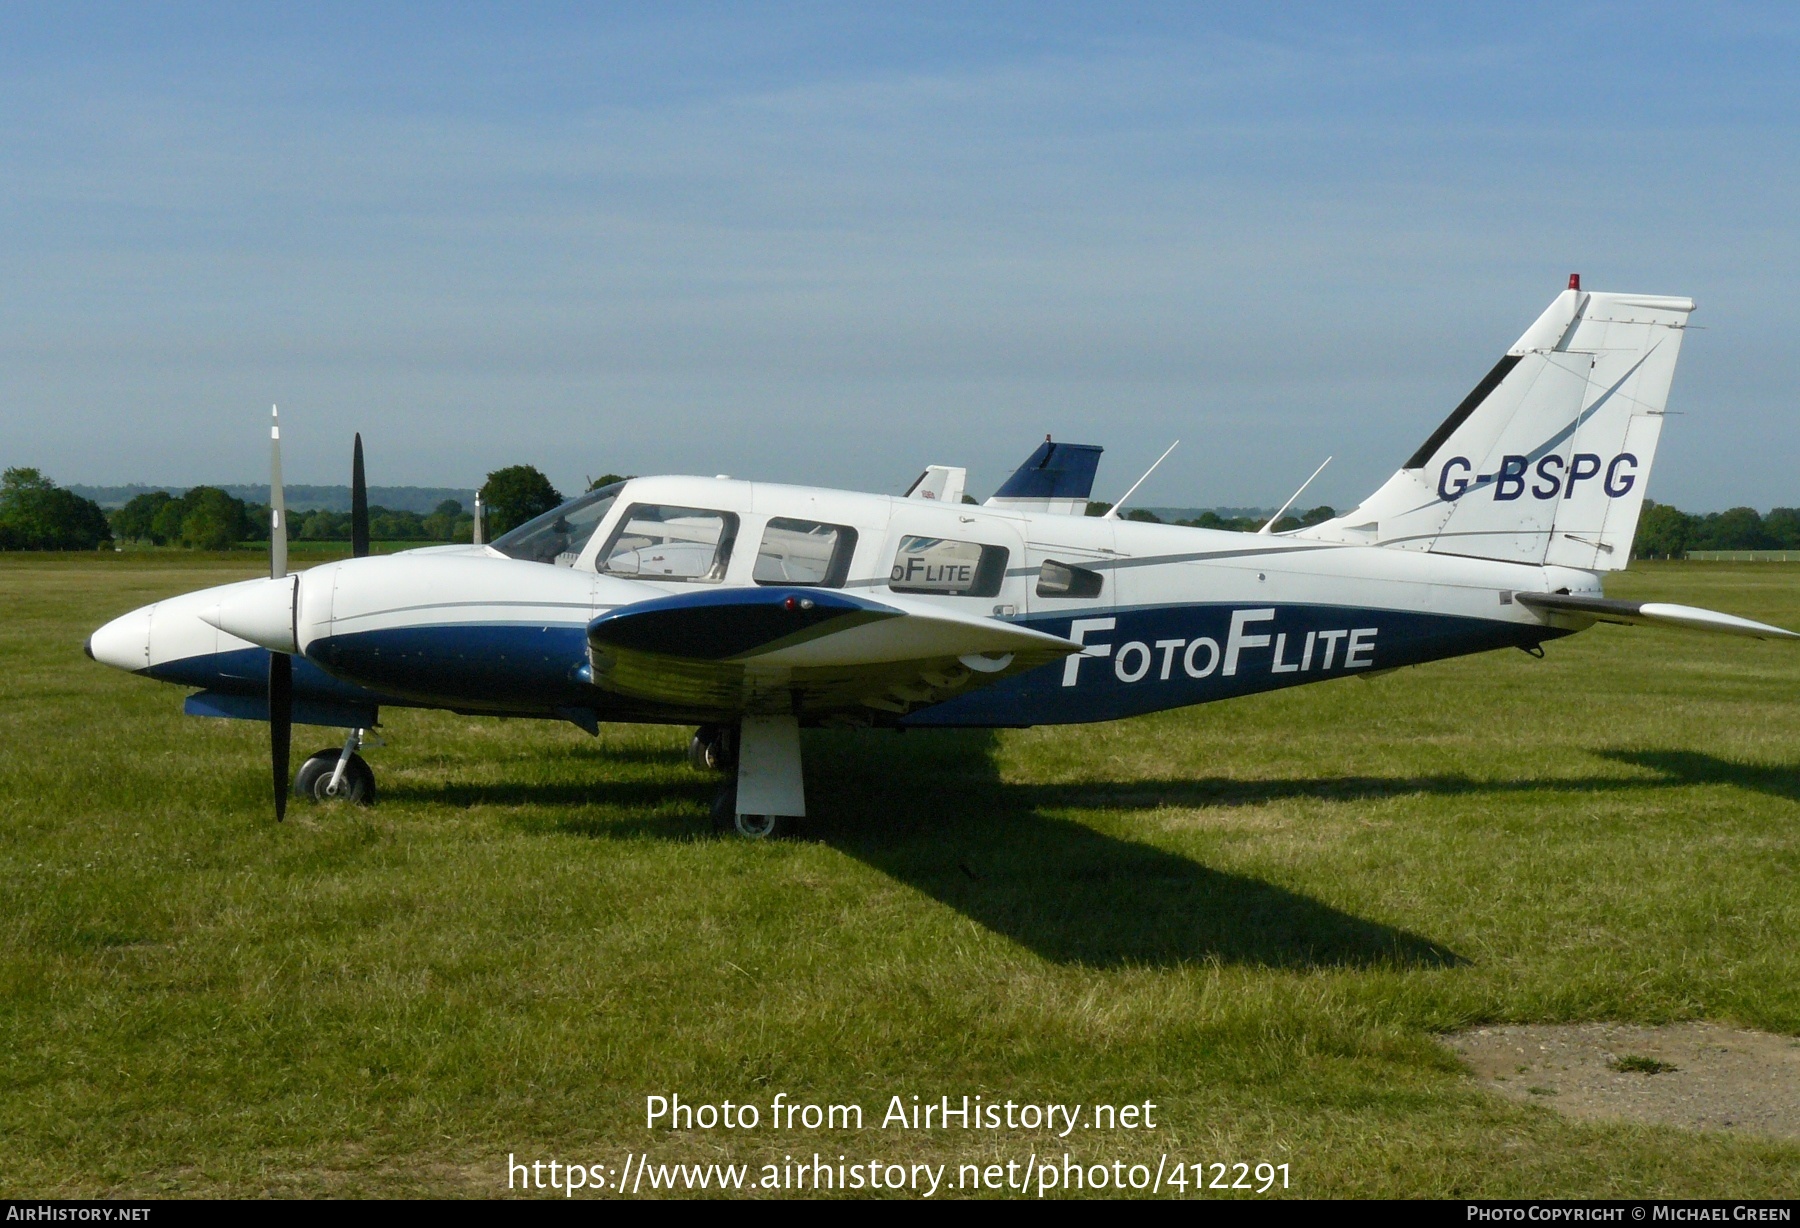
column 804, row 552
column 559, row 535
column 659, row 542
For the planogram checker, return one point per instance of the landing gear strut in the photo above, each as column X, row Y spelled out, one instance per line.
column 340, row 775
column 766, row 797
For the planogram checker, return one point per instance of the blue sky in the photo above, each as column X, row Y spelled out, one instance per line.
column 834, row 243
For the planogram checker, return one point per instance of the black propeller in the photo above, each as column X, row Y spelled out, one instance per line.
column 359, row 504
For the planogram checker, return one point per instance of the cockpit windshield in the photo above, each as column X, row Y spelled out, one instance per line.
column 558, row 536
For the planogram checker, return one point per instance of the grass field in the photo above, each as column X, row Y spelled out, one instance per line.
column 1254, row 914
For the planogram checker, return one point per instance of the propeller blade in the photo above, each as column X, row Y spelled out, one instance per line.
column 359, row 504
column 281, row 725
column 277, row 501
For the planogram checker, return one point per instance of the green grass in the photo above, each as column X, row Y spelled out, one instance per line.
column 1637, row 1063
column 1255, row 914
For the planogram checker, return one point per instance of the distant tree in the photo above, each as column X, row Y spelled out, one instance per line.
column 37, row 514
column 1741, row 528
column 165, row 526
column 513, row 495
column 606, row 479
column 386, row 525
column 1783, row 526
column 1210, row 519
column 320, row 525
column 441, row 524
column 1143, row 517
column 1318, row 515
column 1663, row 532
column 137, row 519
column 1095, row 508
column 213, row 520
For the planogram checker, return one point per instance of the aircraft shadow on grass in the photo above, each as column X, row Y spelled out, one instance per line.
column 930, row 810
column 1686, row 767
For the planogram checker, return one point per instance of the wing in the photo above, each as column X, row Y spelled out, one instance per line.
column 1648, row 613
column 815, row 653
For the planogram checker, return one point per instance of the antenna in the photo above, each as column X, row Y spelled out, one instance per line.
column 1112, row 513
column 478, row 540
column 1295, row 495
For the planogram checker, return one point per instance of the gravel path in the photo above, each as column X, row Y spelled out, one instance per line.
column 1714, row 1077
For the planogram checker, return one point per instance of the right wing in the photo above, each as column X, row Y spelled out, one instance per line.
column 805, row 651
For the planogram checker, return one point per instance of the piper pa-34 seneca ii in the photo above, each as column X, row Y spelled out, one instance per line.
column 752, row 610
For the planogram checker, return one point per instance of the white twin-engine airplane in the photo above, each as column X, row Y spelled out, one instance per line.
column 752, row 610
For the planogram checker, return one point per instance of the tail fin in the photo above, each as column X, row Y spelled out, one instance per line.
column 941, row 482
column 1547, row 459
column 1058, row 477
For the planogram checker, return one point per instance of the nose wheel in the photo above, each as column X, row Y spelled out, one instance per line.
column 713, row 748
column 338, row 774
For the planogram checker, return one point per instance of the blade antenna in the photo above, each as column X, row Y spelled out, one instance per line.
column 281, row 666
column 359, row 504
column 1285, row 506
column 1112, row 513
column 478, row 518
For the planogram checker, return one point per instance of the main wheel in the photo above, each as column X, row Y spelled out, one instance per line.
column 751, row 826
column 712, row 748
column 314, row 778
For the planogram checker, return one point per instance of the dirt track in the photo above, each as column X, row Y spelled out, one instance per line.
column 1722, row 1078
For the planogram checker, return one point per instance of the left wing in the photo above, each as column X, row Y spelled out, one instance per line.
column 805, row 651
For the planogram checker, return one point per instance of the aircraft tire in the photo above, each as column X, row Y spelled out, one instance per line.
column 710, row 749
column 725, row 818
column 314, row 776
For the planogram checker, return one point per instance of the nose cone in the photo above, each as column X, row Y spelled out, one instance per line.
column 123, row 643
column 261, row 612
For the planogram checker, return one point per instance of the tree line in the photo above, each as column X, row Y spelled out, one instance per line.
column 37, row 514
column 1666, row 532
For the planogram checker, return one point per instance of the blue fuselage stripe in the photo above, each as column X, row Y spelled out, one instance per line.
column 1147, row 659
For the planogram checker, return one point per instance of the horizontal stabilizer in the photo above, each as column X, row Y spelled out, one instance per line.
column 1650, row 614
column 805, row 651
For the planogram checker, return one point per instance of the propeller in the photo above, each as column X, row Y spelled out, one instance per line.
column 359, row 504
column 281, row 665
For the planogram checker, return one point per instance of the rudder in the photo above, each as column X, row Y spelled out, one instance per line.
column 1546, row 460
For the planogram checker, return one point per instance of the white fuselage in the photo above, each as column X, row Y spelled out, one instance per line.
column 1167, row 615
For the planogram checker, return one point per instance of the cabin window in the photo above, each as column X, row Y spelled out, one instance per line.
column 559, row 535
column 1067, row 580
column 805, row 552
column 948, row 568
column 659, row 542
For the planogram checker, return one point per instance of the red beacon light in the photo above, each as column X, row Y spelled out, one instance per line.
column 1574, row 281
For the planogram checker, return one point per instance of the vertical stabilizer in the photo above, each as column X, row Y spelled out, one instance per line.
column 941, row 482
column 1546, row 460
column 1058, row 477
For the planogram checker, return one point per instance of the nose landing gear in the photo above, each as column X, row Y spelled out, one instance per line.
column 339, row 775
column 713, row 748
